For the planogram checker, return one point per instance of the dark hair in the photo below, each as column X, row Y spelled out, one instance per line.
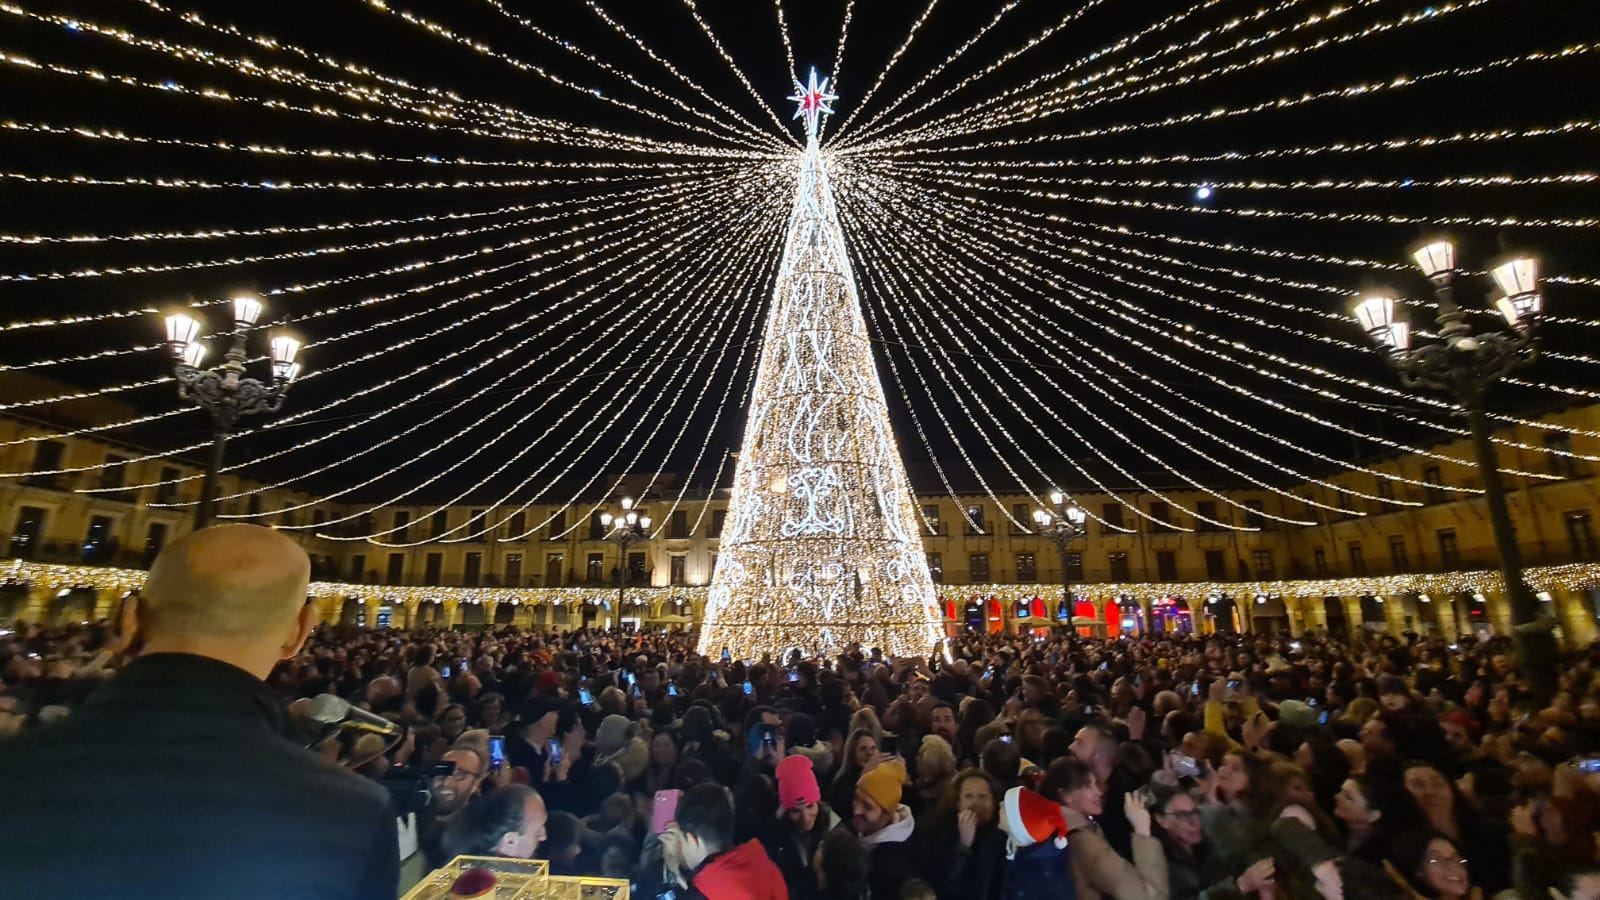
column 1057, row 742
column 706, row 811
column 753, row 717
column 1065, row 775
column 477, row 829
column 1001, row 761
column 1409, row 854
column 844, row 864
column 562, row 829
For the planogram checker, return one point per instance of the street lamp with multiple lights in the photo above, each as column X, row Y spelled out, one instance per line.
column 223, row 391
column 1465, row 364
column 625, row 530
column 1061, row 527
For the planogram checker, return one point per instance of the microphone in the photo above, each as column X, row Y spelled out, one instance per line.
column 330, row 709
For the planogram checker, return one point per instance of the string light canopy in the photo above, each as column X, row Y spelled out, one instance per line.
column 1088, row 247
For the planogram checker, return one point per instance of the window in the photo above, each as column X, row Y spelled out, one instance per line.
column 680, row 569
column 1397, row 553
column 717, row 517
column 513, row 569
column 1118, row 563
column 402, row 524
column 558, row 524
column 936, row 566
column 25, row 535
column 1166, row 565
column 1027, row 567
column 439, row 524
column 167, row 489
column 679, row 528
column 1559, row 448
column 1358, row 559
column 1319, row 563
column 930, row 513
column 114, row 475
column 553, row 564
column 1263, row 561
column 1205, row 509
column 472, row 572
column 1449, row 552
column 254, row 505
column 596, row 530
column 1074, row 567
column 397, row 569
column 434, row 569
column 475, row 520
column 1216, row 566
column 978, row 567
column 1433, row 492
column 1252, row 514
column 636, row 570
column 597, row 568
column 358, row 568
column 975, row 522
column 155, row 537
column 1019, row 511
column 1386, row 488
column 518, row 524
column 1111, row 515
column 1580, row 534
column 1161, row 517
column 46, row 456
column 97, row 543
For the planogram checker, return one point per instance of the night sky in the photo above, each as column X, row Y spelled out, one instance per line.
column 1250, row 289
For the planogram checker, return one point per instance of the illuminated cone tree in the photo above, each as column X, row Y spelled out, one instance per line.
column 821, row 546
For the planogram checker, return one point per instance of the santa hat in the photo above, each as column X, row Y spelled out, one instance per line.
column 1031, row 818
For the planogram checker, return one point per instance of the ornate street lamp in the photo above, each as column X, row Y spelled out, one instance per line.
column 1464, row 364
column 1061, row 528
column 223, row 391
column 625, row 529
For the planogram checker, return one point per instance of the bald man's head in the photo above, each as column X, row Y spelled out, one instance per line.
column 227, row 581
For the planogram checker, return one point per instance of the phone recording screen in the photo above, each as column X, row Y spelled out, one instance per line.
column 497, row 752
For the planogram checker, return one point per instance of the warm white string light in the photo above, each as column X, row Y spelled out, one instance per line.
column 705, row 28
column 894, row 58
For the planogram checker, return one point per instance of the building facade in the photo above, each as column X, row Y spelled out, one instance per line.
column 1406, row 544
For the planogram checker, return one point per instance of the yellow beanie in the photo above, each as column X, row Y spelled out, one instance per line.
column 882, row 785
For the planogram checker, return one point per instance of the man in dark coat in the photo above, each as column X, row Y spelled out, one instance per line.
column 175, row 780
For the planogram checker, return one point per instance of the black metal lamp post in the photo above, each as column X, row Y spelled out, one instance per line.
column 625, row 530
column 223, row 391
column 1061, row 527
column 1464, row 364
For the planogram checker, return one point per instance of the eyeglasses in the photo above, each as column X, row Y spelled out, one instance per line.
column 1441, row 860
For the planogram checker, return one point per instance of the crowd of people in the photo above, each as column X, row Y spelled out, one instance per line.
column 1171, row 766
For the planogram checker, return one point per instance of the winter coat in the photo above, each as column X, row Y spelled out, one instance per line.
column 959, row 872
column 743, row 873
column 1041, row 871
column 1098, row 871
column 1196, row 874
column 793, row 851
column 892, row 858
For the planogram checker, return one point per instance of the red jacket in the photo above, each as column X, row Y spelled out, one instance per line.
column 743, row 873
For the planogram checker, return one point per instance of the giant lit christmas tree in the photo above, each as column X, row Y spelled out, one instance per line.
column 821, row 546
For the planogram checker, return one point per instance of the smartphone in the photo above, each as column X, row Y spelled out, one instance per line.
column 890, row 745
column 1184, row 766
column 627, row 678
column 444, row 672
column 555, row 751
column 672, row 689
column 1194, row 689
column 1005, row 738
column 1105, row 665
column 1323, row 719
column 1234, row 684
column 726, row 655
column 665, row 811
column 794, row 677
column 748, row 689
column 1588, row 765
column 1138, row 681
column 497, row 753
column 1294, row 645
column 767, row 734
column 1312, row 702
column 585, row 697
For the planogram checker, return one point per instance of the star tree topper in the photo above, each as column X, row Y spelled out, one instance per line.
column 813, row 99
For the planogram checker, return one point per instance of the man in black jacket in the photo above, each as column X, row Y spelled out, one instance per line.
column 175, row 779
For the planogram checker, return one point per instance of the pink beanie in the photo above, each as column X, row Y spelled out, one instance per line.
column 797, row 783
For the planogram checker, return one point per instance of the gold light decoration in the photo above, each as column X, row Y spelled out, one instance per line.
column 821, row 548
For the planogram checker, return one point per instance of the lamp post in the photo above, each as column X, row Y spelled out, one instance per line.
column 625, row 530
column 1464, row 364
column 223, row 391
column 1061, row 527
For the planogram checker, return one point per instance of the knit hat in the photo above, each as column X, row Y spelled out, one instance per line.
column 1296, row 714
column 883, row 785
column 1030, row 818
column 613, row 734
column 797, row 783
column 547, row 682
